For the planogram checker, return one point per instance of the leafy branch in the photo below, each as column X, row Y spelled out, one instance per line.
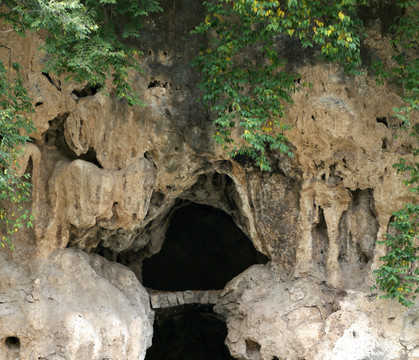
column 14, row 102
column 85, row 41
column 246, row 82
column 398, row 274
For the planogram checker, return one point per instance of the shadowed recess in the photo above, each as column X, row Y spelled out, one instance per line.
column 13, row 342
column 192, row 334
column 203, row 250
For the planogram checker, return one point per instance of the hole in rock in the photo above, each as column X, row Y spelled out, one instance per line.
column 384, row 144
column 91, row 156
column 88, row 90
column 55, row 136
column 156, row 200
column 13, row 342
column 48, row 77
column 53, row 82
column 357, row 244
column 203, row 249
column 147, row 155
column 252, row 349
column 158, row 83
column 188, row 333
column 103, row 251
column 29, row 167
column 244, row 160
column 382, row 120
column 320, row 241
column 334, row 179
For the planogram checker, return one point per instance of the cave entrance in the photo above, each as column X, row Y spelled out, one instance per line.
column 188, row 333
column 203, row 249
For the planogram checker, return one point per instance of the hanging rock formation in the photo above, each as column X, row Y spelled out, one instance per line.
column 108, row 178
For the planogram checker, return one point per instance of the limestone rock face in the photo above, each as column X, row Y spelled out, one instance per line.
column 74, row 306
column 270, row 316
column 289, row 314
column 108, row 178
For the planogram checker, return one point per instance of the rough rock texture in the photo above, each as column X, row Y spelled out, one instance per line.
column 74, row 306
column 161, row 300
column 107, row 179
column 270, row 316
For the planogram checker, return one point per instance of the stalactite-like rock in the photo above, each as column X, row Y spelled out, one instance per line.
column 108, row 179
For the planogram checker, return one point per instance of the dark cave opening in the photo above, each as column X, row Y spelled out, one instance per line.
column 203, row 250
column 13, row 342
column 188, row 333
column 88, row 90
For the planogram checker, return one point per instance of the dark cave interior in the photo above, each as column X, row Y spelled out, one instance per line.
column 188, row 333
column 203, row 250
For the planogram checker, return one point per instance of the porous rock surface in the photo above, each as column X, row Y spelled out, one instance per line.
column 74, row 306
column 107, row 178
column 270, row 316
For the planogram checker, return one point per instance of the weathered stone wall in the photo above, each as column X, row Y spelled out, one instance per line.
column 73, row 306
column 108, row 176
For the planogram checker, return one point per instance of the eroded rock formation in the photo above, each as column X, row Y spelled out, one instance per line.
column 73, row 306
column 108, row 180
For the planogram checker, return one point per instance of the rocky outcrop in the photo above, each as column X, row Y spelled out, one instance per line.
column 73, row 306
column 108, row 178
column 270, row 316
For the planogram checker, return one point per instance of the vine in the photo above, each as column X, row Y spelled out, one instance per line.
column 246, row 82
column 398, row 274
column 247, row 85
column 14, row 189
column 85, row 41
